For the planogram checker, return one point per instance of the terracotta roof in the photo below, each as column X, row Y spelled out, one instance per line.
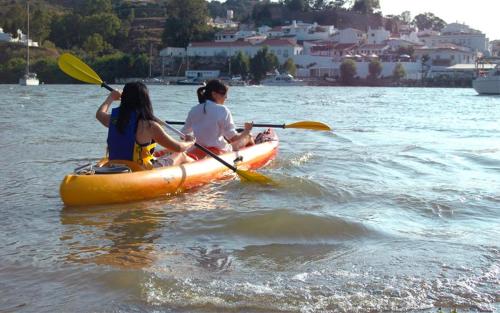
column 445, row 46
column 210, row 44
column 354, row 29
column 345, row 46
column 373, row 46
column 242, row 43
column 279, row 42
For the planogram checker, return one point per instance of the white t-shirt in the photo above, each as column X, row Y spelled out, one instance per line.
column 211, row 127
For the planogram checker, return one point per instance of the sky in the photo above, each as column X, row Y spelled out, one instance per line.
column 483, row 15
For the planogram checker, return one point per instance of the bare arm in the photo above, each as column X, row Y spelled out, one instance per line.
column 244, row 133
column 160, row 136
column 102, row 114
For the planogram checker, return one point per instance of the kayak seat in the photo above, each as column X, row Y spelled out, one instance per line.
column 132, row 166
column 112, row 169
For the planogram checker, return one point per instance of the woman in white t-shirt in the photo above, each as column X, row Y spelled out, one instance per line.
column 211, row 123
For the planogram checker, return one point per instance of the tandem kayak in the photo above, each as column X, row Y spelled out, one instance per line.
column 125, row 181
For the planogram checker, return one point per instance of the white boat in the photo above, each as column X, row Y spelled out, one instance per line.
column 282, row 80
column 29, row 79
column 488, row 83
column 192, row 81
column 235, row 81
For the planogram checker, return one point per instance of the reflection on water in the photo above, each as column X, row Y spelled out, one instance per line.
column 121, row 236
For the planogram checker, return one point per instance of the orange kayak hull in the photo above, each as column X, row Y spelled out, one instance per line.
column 80, row 190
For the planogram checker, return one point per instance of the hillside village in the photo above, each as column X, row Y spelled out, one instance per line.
column 319, row 50
column 313, row 48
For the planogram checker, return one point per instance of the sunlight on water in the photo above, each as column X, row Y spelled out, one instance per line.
column 397, row 209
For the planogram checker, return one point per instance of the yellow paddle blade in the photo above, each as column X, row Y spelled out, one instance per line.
column 309, row 125
column 254, row 177
column 75, row 68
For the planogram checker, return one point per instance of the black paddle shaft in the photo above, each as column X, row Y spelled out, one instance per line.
column 213, row 155
column 254, row 125
column 106, row 86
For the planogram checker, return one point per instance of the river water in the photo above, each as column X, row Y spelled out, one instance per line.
column 397, row 209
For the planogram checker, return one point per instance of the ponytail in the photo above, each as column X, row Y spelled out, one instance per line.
column 201, row 93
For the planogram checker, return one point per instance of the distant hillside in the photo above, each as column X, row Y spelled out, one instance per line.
column 14, row 50
column 340, row 18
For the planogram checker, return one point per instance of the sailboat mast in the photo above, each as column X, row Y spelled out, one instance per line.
column 28, row 41
column 150, row 57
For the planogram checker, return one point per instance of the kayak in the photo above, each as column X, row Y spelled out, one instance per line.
column 125, row 181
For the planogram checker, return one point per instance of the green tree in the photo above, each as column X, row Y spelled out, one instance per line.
column 66, row 31
column 95, row 45
column 374, row 69
column 348, row 71
column 263, row 62
column 319, row 5
column 289, row 67
column 425, row 66
column 40, row 25
column 366, row 6
column 240, row 64
column 297, row 5
column 186, row 22
column 242, row 8
column 399, row 72
column 216, row 8
column 105, row 24
column 15, row 18
column 261, row 14
column 405, row 16
column 428, row 21
column 91, row 7
column 410, row 50
column 12, row 70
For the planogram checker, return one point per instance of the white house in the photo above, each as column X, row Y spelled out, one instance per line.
column 373, row 49
column 263, row 30
column 191, row 74
column 233, row 35
column 305, row 31
column 282, row 48
column 319, row 48
column 255, row 39
column 396, row 43
column 276, row 31
column 495, row 48
column 173, row 52
column 446, row 55
column 349, row 35
column 377, row 36
column 224, row 23
column 412, row 37
column 5, row 36
column 461, row 35
column 320, row 66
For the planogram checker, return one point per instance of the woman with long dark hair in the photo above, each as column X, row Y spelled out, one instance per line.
column 212, row 124
column 134, row 130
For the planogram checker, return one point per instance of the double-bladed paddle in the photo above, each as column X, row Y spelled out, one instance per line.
column 77, row 69
column 311, row 125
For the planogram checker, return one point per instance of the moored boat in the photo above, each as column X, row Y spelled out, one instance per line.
column 125, row 181
column 28, row 79
column 487, row 82
column 282, row 80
